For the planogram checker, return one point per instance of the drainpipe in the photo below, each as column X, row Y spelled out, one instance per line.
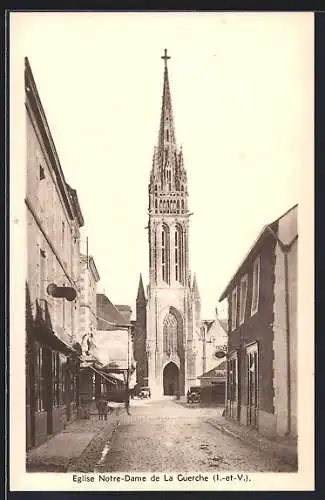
column 285, row 248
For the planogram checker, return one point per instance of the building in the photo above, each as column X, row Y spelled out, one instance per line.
column 213, row 337
column 53, row 219
column 140, row 337
column 126, row 311
column 213, row 384
column 90, row 365
column 172, row 306
column 89, row 278
column 212, row 373
column 262, row 348
column 114, row 344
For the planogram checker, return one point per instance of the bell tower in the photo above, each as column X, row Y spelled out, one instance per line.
column 171, row 357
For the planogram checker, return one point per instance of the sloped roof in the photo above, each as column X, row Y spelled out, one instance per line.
column 107, row 314
column 258, row 241
column 224, row 324
column 125, row 310
column 141, row 297
column 214, row 371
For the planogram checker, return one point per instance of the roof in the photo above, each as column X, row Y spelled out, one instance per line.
column 108, row 315
column 141, row 297
column 210, row 322
column 126, row 311
column 260, row 238
column 122, row 307
column 224, row 324
column 34, row 105
column 214, row 372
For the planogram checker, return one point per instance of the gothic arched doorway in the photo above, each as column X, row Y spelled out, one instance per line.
column 171, row 379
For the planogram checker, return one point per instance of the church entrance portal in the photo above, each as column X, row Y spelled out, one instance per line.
column 171, row 379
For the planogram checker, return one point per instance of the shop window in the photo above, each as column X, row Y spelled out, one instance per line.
column 39, row 379
column 56, row 378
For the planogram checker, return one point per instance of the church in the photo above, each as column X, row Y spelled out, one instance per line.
column 167, row 326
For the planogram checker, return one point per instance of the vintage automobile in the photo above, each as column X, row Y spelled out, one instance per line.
column 194, row 395
column 145, row 393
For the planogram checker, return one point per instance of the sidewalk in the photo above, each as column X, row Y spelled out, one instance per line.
column 285, row 449
column 76, row 448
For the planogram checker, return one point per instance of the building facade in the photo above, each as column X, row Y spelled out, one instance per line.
column 90, row 378
column 262, row 332
column 213, row 337
column 89, row 278
column 52, row 292
column 172, row 303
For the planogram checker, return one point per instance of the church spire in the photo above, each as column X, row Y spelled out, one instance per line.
column 195, row 289
column 166, row 130
column 167, row 173
column 141, row 298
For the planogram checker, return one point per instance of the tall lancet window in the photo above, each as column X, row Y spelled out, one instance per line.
column 165, row 253
column 170, row 334
column 178, row 254
column 167, row 135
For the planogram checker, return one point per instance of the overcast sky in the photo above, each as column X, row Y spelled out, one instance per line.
column 242, row 94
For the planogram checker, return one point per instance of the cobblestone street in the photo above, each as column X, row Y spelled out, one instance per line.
column 170, row 436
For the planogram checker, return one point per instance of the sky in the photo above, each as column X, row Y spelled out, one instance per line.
column 242, row 95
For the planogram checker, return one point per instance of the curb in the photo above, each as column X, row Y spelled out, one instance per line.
column 100, row 464
column 289, row 457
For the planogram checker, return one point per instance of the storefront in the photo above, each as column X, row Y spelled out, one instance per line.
column 52, row 382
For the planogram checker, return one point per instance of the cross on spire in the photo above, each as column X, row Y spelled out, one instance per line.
column 165, row 57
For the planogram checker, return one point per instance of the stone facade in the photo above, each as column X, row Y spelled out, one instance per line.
column 53, row 220
column 172, row 304
column 89, row 278
column 261, row 375
column 286, row 414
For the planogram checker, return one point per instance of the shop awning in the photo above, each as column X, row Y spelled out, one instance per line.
column 109, row 378
column 47, row 336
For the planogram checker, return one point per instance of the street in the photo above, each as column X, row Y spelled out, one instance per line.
column 169, row 436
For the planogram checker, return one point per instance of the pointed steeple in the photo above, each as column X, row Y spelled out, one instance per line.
column 168, row 172
column 195, row 289
column 166, row 130
column 141, row 298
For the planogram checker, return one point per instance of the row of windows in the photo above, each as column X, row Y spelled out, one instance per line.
column 63, row 238
column 243, row 287
column 165, row 254
column 156, row 186
column 62, row 379
column 170, row 206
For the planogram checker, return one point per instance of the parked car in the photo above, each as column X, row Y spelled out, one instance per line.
column 145, row 393
column 194, row 395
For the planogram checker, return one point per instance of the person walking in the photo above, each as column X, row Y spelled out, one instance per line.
column 105, row 409
column 100, row 407
column 127, row 401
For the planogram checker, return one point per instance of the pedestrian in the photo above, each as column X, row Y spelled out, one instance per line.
column 127, row 401
column 105, row 409
column 100, row 407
